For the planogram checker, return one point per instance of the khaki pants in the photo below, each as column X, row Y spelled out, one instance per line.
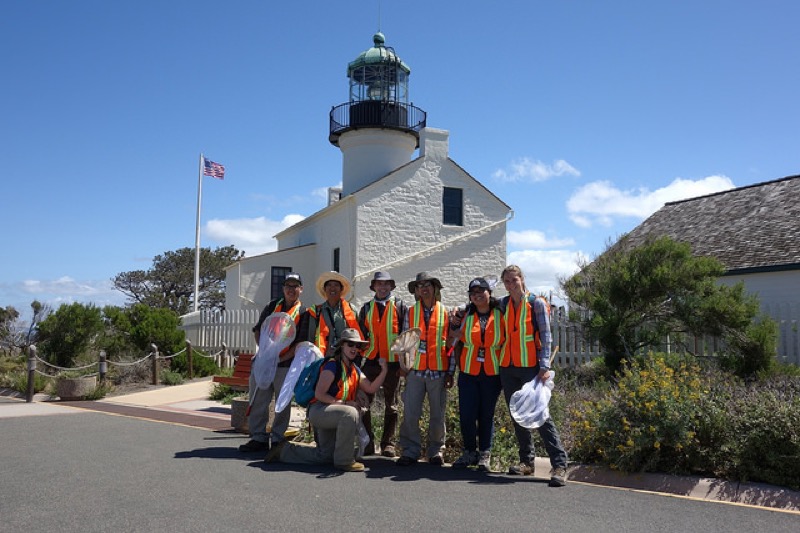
column 260, row 400
column 336, row 427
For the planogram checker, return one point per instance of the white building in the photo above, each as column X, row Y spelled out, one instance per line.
column 394, row 212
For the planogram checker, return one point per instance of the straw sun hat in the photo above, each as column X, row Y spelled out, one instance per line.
column 332, row 276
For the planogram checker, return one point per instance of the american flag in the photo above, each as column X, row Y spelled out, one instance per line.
column 215, row 170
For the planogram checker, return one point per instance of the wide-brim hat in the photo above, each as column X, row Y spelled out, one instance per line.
column 381, row 276
column 424, row 276
column 352, row 335
column 332, row 276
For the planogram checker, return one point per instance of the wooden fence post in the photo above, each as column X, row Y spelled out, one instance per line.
column 189, row 359
column 103, row 367
column 154, row 353
column 31, row 373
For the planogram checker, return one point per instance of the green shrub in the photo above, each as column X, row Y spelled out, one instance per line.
column 224, row 393
column 754, row 352
column 201, row 366
column 766, row 423
column 99, row 392
column 18, row 381
column 168, row 377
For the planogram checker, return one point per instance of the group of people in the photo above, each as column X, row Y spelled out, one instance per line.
column 497, row 345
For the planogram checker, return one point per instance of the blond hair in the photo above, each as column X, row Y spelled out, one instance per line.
column 517, row 271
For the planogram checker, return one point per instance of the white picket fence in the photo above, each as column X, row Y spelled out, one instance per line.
column 212, row 331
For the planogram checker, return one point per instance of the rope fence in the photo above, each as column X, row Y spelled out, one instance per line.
column 222, row 358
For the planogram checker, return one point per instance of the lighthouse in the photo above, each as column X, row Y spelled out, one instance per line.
column 377, row 130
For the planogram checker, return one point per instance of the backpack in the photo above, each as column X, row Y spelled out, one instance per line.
column 306, row 385
column 532, row 298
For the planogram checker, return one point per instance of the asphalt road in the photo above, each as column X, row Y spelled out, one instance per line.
column 90, row 471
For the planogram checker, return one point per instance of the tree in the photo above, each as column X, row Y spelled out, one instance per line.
column 632, row 298
column 15, row 333
column 140, row 326
column 68, row 334
column 169, row 283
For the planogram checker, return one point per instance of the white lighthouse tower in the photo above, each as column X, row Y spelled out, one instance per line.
column 377, row 130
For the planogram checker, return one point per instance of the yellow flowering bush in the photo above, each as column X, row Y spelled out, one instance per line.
column 647, row 423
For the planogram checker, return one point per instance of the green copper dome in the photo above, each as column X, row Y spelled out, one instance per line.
column 376, row 55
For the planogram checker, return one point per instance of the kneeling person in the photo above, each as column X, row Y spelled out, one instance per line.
column 334, row 411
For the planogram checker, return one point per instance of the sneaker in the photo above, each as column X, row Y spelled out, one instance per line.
column 254, row 446
column 352, row 467
column 274, row 453
column 388, row 451
column 406, row 461
column 521, row 469
column 468, row 458
column 436, row 460
column 485, row 462
column 558, row 477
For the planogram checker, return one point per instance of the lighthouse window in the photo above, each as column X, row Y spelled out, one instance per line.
column 453, row 208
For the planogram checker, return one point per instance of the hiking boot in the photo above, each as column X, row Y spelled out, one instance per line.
column 485, row 462
column 468, row 458
column 254, row 446
column 521, row 469
column 436, row 460
column 558, row 477
column 274, row 453
column 406, row 461
column 355, row 466
column 388, row 451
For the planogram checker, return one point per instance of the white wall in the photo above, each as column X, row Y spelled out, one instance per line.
column 401, row 230
column 774, row 289
column 247, row 283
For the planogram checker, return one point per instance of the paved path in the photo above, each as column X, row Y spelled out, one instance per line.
column 73, row 467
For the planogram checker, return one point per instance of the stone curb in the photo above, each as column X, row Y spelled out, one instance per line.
column 756, row 494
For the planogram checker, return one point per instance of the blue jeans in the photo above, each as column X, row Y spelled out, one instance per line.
column 477, row 398
column 512, row 379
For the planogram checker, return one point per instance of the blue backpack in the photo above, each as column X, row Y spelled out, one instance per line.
column 306, row 384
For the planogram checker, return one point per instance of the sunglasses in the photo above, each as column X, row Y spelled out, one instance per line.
column 352, row 344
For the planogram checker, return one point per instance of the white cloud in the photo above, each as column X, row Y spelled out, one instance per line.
column 535, row 239
column 64, row 290
column 251, row 235
column 600, row 202
column 526, row 169
column 543, row 268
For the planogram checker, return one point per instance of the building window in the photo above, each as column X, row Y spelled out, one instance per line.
column 452, row 207
column 336, row 259
column 276, row 281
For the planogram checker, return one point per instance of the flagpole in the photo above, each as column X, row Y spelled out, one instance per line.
column 197, row 235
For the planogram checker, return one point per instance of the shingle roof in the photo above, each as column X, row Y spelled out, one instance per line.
column 754, row 227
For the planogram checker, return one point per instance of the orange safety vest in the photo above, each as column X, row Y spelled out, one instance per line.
column 493, row 341
column 294, row 312
column 323, row 328
column 433, row 337
column 522, row 338
column 383, row 330
column 345, row 384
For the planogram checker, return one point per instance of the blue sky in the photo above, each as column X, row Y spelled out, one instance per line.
column 583, row 116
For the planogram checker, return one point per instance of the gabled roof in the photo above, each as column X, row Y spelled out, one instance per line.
column 753, row 228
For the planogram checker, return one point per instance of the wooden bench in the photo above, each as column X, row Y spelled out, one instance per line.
column 240, row 379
